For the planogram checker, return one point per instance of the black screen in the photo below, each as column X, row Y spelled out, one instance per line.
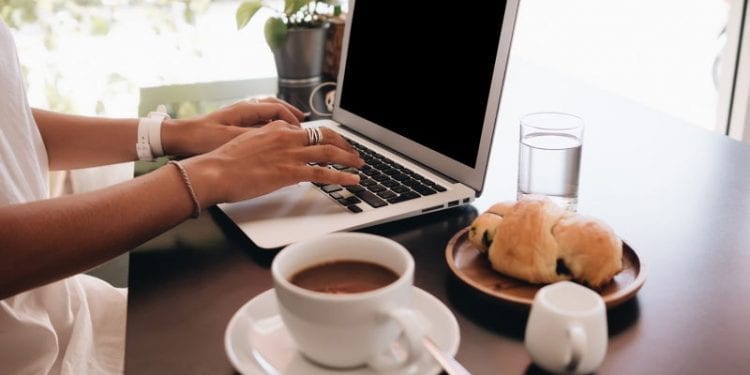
column 405, row 54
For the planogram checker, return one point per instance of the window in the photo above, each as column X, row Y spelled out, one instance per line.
column 659, row 53
column 735, row 85
column 91, row 59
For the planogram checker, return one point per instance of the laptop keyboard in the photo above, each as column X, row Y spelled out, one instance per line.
column 382, row 181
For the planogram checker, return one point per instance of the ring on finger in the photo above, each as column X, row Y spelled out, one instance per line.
column 314, row 136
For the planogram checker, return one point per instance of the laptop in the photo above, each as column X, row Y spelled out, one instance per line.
column 418, row 95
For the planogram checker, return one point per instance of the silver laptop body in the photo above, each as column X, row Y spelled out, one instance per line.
column 378, row 105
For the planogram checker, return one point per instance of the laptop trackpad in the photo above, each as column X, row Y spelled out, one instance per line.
column 292, row 201
column 302, row 207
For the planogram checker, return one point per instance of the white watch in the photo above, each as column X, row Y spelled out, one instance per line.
column 149, row 144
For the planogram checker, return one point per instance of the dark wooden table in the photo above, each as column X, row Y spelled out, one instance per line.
column 679, row 195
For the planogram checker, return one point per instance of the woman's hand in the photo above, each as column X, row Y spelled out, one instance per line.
column 265, row 159
column 205, row 133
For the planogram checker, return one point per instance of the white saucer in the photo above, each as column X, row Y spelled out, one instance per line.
column 257, row 342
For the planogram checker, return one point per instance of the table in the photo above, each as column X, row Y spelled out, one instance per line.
column 677, row 194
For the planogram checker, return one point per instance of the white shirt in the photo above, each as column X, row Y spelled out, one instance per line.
column 72, row 326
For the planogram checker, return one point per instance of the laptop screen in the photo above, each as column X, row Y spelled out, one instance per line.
column 401, row 56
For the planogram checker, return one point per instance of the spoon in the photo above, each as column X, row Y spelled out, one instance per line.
column 446, row 361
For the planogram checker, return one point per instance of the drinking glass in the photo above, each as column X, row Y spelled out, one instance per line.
column 549, row 160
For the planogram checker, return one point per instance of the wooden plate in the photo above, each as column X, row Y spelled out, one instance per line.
column 473, row 268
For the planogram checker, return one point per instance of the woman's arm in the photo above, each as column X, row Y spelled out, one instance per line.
column 47, row 240
column 51, row 239
column 79, row 141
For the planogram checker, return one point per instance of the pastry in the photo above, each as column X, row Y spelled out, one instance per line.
column 537, row 241
column 590, row 249
column 482, row 230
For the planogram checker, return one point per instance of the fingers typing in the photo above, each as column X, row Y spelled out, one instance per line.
column 274, row 111
column 294, row 110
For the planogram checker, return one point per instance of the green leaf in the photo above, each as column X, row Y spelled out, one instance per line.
column 293, row 6
column 187, row 109
column 100, row 108
column 275, row 31
column 246, row 11
column 99, row 25
column 189, row 15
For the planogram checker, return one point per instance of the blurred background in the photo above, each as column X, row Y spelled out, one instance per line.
column 91, row 57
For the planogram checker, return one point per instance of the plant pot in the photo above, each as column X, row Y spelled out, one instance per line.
column 299, row 61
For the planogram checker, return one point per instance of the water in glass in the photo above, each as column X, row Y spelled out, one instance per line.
column 549, row 164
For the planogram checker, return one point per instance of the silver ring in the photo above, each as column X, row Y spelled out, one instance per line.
column 319, row 134
column 314, row 136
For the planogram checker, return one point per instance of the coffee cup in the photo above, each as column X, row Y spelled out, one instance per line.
column 345, row 299
column 567, row 329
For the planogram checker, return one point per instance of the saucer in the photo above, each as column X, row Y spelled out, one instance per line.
column 257, row 342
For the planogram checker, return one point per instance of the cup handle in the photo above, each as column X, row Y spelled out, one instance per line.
column 577, row 338
column 413, row 328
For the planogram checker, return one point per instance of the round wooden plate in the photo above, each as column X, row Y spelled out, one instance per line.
column 474, row 269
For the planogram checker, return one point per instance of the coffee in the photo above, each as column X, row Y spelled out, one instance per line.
column 350, row 329
column 344, row 277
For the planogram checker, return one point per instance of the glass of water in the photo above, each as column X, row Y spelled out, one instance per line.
column 549, row 159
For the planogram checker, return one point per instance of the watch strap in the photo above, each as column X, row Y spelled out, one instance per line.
column 154, row 129
column 149, row 144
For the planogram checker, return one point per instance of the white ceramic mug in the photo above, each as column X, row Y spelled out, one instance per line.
column 567, row 329
column 349, row 330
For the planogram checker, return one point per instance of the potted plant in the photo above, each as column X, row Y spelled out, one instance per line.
column 296, row 36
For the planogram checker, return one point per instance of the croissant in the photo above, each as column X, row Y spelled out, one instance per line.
column 482, row 230
column 537, row 241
